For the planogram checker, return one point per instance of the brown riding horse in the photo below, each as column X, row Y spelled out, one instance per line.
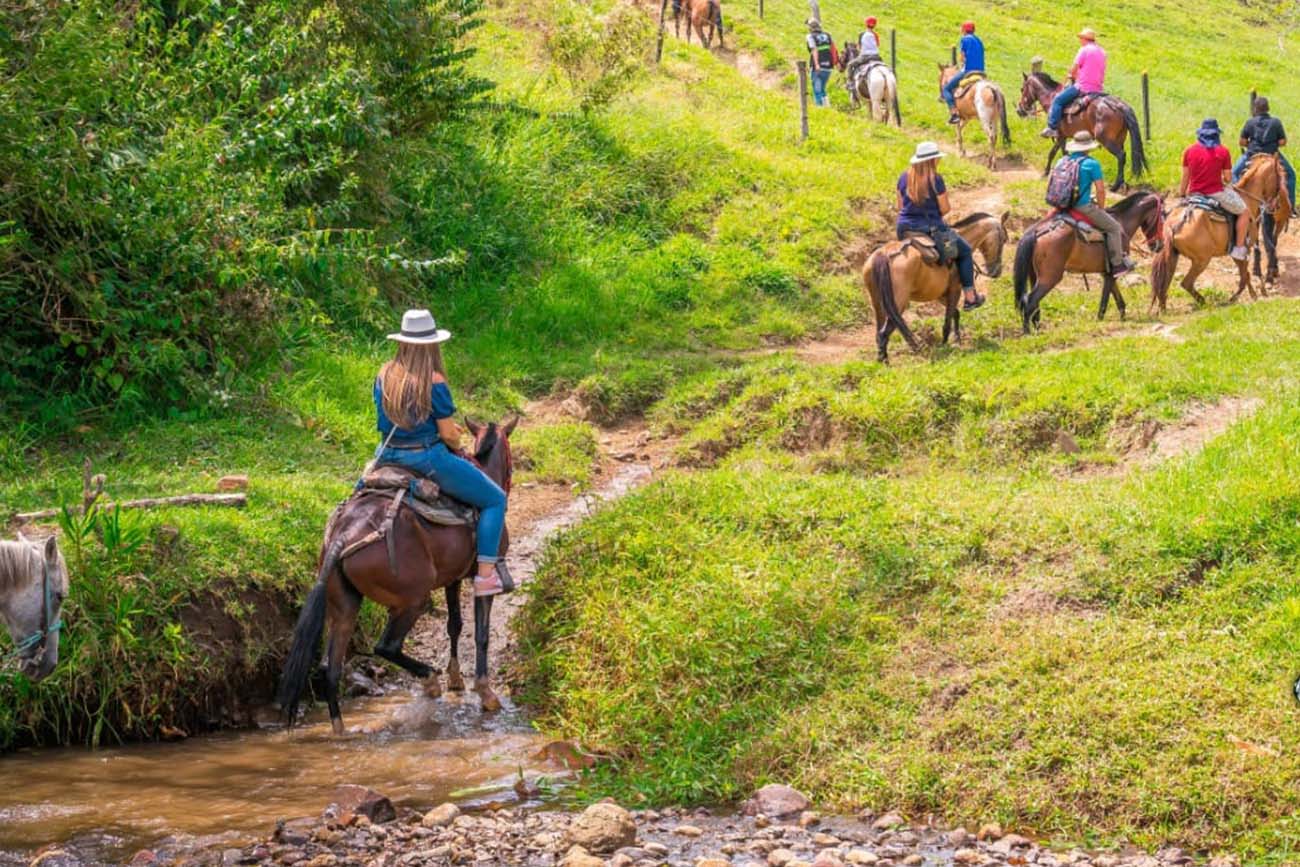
column 1191, row 231
column 982, row 101
column 1049, row 249
column 423, row 557
column 1108, row 118
column 896, row 275
column 698, row 14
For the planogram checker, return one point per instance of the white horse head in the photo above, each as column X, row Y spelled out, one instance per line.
column 33, row 584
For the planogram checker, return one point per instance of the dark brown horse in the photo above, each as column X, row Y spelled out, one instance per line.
column 1108, row 118
column 699, row 13
column 1048, row 250
column 426, row 556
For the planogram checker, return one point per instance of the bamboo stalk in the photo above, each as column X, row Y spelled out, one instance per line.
column 237, row 501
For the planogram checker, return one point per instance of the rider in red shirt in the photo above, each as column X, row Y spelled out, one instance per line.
column 1207, row 170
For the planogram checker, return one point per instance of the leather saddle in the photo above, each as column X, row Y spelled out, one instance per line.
column 419, row 493
column 1084, row 230
column 1211, row 206
column 932, row 252
column 1081, row 102
column 967, row 82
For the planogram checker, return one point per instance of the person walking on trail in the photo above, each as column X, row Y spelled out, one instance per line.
column 1090, row 196
column 821, row 58
column 972, row 60
column 1087, row 75
column 1207, row 171
column 1264, row 134
column 922, row 205
column 868, row 49
column 414, row 410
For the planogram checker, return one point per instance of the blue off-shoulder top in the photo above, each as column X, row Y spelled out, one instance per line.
column 426, row 432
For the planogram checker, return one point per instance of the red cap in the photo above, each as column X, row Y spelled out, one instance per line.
column 968, row 27
column 871, row 21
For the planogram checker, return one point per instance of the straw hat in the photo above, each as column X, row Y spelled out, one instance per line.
column 418, row 327
column 1082, row 142
column 926, row 151
column 1089, row 34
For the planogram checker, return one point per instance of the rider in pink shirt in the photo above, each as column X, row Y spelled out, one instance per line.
column 1087, row 75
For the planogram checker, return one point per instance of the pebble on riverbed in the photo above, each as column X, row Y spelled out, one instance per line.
column 606, row 835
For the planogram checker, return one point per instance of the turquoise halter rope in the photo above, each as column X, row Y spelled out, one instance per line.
column 36, row 642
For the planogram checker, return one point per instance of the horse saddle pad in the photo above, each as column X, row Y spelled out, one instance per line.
column 421, row 494
column 1087, row 232
column 1081, row 102
column 1211, row 206
column 931, row 253
column 967, row 82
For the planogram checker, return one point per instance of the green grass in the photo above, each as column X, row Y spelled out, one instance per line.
column 892, row 589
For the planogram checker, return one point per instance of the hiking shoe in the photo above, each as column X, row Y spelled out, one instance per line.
column 972, row 305
column 500, row 581
column 1048, row 132
column 954, row 118
column 1238, row 253
column 1122, row 268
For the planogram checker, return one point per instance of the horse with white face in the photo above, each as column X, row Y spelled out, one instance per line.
column 33, row 585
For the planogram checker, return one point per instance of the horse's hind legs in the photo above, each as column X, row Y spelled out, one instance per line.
column 343, row 602
column 455, row 683
column 482, row 631
column 390, row 643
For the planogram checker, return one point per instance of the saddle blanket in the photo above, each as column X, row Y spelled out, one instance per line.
column 1087, row 232
column 421, row 494
column 1081, row 102
column 967, row 82
column 1211, row 206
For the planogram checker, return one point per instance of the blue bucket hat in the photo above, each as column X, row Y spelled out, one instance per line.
column 1208, row 134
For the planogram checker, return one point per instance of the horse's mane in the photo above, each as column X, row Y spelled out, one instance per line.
column 1045, row 79
column 972, row 218
column 15, row 560
column 1128, row 202
column 489, row 442
column 1255, row 166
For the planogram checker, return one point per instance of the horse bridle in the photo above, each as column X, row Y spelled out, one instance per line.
column 34, row 645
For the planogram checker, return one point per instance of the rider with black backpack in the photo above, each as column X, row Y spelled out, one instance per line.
column 1078, row 183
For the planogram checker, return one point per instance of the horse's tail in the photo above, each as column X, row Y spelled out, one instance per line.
column 1138, row 156
column 1162, row 268
column 1023, row 272
column 306, row 636
column 1002, row 116
column 883, row 279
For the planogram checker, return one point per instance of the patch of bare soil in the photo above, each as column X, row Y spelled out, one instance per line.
column 1149, row 442
column 752, row 67
column 1034, row 602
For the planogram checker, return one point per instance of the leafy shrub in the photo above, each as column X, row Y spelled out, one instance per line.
column 600, row 56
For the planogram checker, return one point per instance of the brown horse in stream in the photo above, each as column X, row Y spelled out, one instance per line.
column 398, row 571
column 1108, row 118
column 1193, row 233
column 897, row 274
column 1051, row 248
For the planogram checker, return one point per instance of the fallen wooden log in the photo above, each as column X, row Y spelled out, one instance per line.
column 236, row 500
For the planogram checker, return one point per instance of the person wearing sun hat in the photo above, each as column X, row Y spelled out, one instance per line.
column 1087, row 75
column 922, row 204
column 414, row 410
column 1091, row 200
column 1207, row 171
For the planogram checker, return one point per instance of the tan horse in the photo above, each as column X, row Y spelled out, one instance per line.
column 896, row 275
column 1191, row 233
column 699, row 13
column 982, row 101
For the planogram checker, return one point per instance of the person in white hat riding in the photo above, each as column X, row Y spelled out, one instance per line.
column 1091, row 199
column 414, row 407
column 922, row 204
column 1087, row 75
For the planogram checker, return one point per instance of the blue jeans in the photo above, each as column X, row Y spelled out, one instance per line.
column 819, row 79
column 965, row 259
column 949, row 90
column 1239, row 169
column 460, row 479
column 1064, row 98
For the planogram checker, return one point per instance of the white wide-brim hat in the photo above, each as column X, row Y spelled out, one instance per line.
column 1082, row 142
column 418, row 327
column 926, row 151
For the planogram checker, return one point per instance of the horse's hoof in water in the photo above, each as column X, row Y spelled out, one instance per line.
column 337, row 723
column 491, row 703
column 455, row 683
column 433, row 686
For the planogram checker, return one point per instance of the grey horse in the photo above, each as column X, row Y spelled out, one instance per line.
column 33, row 585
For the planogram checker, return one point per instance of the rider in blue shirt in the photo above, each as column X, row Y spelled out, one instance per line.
column 972, row 60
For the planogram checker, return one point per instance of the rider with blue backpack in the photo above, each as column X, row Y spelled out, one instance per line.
column 1078, row 183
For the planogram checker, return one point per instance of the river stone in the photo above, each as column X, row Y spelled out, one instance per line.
column 294, row 832
column 441, row 816
column 958, row 837
column 888, row 822
column 780, row 857
column 712, row 862
column 689, row 831
column 777, row 800
column 808, row 818
column 989, row 831
column 827, row 858
column 968, row 856
column 861, row 856
column 580, row 857
column 355, row 801
column 913, row 860
column 603, row 828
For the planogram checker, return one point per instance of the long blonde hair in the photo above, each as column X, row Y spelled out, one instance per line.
column 920, row 181
column 406, row 383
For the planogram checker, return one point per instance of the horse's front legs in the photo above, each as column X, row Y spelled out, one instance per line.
column 455, row 683
column 482, row 631
column 400, row 621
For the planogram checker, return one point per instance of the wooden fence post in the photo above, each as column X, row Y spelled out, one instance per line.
column 954, row 55
column 659, row 46
column 893, row 51
column 1250, row 112
column 1146, row 104
column 802, row 66
column 760, row 8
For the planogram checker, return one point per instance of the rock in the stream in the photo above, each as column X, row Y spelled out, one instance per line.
column 689, row 831
column 580, row 857
column 780, row 857
column 294, row 832
column 441, row 816
column 989, row 831
column 776, row 800
column 712, row 862
column 352, row 801
column 888, row 822
column 360, row 685
column 603, row 828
